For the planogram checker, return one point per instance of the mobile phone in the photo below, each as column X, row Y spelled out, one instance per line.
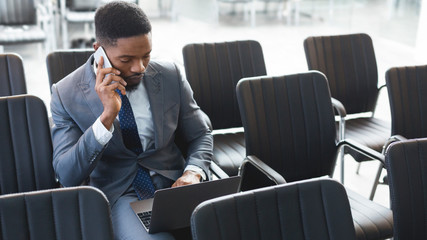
column 100, row 52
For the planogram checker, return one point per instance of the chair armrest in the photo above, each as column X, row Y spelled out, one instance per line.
column 392, row 139
column 381, row 87
column 369, row 152
column 339, row 107
column 217, row 172
column 378, row 94
column 256, row 174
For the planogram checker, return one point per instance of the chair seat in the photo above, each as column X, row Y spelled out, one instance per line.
column 371, row 132
column 371, row 220
column 229, row 151
column 12, row 35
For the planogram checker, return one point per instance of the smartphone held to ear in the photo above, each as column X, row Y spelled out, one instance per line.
column 100, row 52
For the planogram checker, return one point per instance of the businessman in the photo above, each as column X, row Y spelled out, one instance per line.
column 115, row 127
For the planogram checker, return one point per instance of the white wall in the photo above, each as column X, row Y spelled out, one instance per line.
column 421, row 44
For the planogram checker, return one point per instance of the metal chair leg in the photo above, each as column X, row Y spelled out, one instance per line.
column 377, row 178
column 358, row 167
column 341, row 157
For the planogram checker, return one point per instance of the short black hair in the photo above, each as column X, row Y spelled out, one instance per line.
column 119, row 19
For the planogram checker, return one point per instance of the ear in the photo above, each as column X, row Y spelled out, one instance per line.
column 96, row 45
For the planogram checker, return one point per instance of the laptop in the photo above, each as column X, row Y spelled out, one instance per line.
column 171, row 208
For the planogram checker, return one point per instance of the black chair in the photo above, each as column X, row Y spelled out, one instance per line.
column 349, row 63
column 12, row 75
column 213, row 70
column 407, row 88
column 25, row 145
column 26, row 21
column 62, row 62
column 406, row 163
column 289, row 126
column 65, row 213
column 300, row 210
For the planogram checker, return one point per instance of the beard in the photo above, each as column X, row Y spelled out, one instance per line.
column 133, row 81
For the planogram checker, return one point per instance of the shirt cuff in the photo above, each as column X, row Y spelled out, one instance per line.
column 102, row 135
column 197, row 170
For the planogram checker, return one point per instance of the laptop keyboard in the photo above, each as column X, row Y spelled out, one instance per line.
column 145, row 218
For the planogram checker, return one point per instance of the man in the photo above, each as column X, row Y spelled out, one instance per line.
column 90, row 132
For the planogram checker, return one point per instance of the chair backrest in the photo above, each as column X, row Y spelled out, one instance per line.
column 213, row 70
column 407, row 91
column 12, row 75
column 25, row 145
column 301, row 210
column 63, row 213
column 63, row 62
column 349, row 63
column 18, row 12
column 406, row 164
column 289, row 123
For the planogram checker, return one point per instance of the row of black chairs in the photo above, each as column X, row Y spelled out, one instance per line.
column 213, row 70
column 223, row 140
column 302, row 166
column 223, row 54
column 303, row 206
column 302, row 210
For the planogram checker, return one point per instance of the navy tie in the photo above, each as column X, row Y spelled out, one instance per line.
column 142, row 183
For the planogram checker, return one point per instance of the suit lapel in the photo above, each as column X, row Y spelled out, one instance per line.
column 87, row 86
column 153, row 85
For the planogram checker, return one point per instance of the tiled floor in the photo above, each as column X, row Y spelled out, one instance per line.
column 393, row 32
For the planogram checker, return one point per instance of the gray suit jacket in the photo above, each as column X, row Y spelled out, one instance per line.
column 78, row 156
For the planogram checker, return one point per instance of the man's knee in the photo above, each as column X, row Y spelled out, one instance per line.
column 126, row 225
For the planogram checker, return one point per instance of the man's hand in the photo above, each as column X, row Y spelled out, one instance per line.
column 189, row 177
column 106, row 90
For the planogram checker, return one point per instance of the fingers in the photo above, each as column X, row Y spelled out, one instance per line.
column 186, row 179
column 101, row 73
column 182, row 182
column 108, row 77
column 179, row 183
column 116, row 85
column 112, row 78
column 98, row 70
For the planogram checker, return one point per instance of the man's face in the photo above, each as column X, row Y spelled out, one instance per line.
column 130, row 56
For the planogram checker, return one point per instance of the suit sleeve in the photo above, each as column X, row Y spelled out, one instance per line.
column 75, row 152
column 193, row 126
